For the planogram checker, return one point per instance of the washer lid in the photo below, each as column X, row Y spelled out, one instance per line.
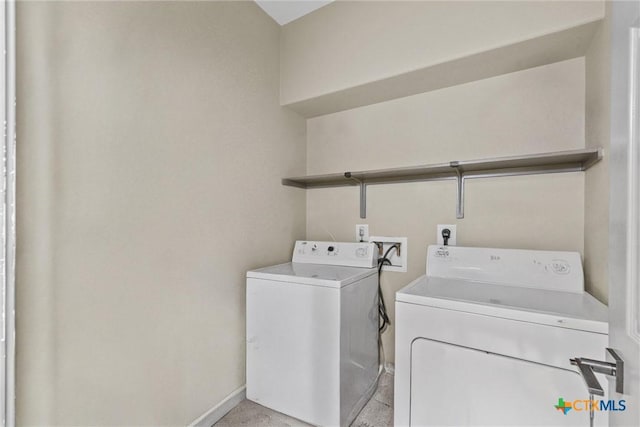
column 332, row 276
column 554, row 308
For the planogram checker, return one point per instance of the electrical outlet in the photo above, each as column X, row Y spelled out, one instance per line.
column 398, row 260
column 362, row 232
column 452, row 237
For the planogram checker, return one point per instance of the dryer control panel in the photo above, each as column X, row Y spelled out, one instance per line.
column 552, row 270
column 348, row 254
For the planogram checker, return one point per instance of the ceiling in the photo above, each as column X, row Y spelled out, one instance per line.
column 285, row 11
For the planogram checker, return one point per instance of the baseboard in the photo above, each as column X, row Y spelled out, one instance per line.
column 214, row 414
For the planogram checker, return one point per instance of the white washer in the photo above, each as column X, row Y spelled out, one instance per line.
column 312, row 332
column 485, row 338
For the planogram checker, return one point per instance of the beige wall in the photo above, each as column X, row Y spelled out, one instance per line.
column 351, row 43
column 151, row 147
column 531, row 111
column 596, row 236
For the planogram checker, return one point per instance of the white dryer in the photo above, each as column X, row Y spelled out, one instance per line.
column 312, row 332
column 485, row 338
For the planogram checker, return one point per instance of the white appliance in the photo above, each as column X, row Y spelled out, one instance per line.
column 312, row 332
column 485, row 338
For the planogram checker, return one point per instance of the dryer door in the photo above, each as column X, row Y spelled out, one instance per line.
column 454, row 385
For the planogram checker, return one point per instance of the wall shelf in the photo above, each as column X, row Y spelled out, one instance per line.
column 555, row 162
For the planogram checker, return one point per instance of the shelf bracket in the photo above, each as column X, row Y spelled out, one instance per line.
column 363, row 200
column 460, row 178
column 363, row 194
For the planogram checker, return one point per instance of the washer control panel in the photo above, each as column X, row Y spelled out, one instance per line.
column 348, row 254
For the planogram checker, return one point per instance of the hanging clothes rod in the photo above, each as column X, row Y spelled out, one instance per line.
column 531, row 164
